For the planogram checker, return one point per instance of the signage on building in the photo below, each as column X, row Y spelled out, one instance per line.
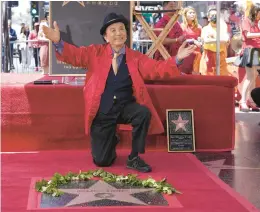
column 148, row 8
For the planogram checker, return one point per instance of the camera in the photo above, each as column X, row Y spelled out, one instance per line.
column 190, row 41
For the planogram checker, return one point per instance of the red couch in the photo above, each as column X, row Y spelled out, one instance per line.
column 39, row 117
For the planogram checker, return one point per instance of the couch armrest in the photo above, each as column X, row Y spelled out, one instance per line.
column 224, row 81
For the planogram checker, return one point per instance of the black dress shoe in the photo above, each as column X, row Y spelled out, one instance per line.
column 138, row 164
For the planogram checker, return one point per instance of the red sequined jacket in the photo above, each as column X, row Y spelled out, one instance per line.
column 97, row 60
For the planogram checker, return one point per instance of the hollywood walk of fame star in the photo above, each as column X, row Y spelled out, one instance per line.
column 80, row 2
column 180, row 123
column 102, row 190
column 216, row 166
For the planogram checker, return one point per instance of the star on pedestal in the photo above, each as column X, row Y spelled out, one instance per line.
column 80, row 2
column 180, row 123
column 102, row 190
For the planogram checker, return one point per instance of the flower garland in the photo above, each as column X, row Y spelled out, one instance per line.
column 51, row 186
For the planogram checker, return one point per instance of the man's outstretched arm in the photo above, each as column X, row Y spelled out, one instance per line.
column 152, row 69
column 70, row 54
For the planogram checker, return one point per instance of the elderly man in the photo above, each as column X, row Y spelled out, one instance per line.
column 115, row 92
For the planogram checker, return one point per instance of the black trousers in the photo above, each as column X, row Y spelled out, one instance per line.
column 36, row 55
column 12, row 56
column 255, row 94
column 103, row 130
column 20, row 55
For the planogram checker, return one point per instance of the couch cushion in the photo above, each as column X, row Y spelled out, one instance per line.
column 224, row 81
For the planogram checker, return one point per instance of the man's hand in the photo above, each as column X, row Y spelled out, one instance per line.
column 52, row 34
column 184, row 52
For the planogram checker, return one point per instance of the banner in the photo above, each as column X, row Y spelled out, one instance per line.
column 80, row 23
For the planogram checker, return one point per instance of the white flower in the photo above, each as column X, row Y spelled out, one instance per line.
column 49, row 182
column 44, row 188
column 151, row 180
column 156, row 185
column 75, row 178
column 120, row 178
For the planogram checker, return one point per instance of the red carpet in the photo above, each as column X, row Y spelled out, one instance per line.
column 202, row 190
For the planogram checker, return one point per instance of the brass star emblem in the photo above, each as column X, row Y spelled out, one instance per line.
column 180, row 123
column 80, row 2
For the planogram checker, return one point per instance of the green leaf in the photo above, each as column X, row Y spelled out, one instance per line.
column 109, row 180
column 169, row 192
column 40, row 184
column 51, row 186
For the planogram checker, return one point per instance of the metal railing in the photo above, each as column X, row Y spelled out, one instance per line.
column 25, row 56
column 26, row 59
column 142, row 45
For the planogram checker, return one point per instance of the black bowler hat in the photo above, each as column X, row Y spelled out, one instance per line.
column 112, row 18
